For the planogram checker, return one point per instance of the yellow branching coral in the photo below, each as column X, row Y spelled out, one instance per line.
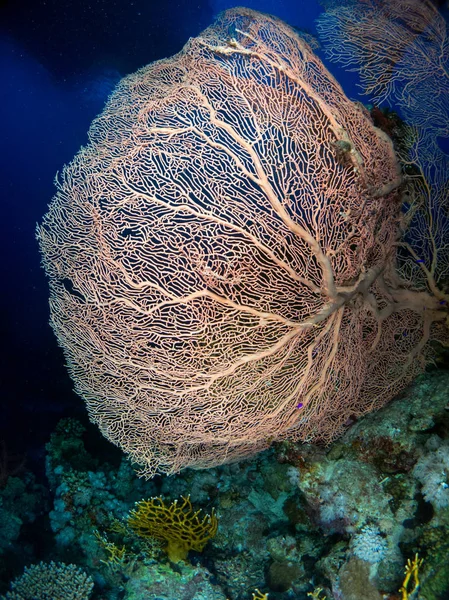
column 116, row 555
column 316, row 594
column 259, row 596
column 177, row 523
column 411, row 570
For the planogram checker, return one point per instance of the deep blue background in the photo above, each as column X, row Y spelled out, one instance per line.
column 58, row 62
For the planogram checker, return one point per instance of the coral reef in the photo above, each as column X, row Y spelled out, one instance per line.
column 294, row 334
column 294, row 519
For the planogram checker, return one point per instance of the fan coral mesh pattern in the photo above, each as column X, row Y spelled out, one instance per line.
column 221, row 254
column 51, row 581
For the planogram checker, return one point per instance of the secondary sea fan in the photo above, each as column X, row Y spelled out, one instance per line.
column 221, row 254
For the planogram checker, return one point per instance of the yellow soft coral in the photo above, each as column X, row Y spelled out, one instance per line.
column 176, row 523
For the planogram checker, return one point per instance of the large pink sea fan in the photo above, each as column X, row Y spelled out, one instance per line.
column 221, row 255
